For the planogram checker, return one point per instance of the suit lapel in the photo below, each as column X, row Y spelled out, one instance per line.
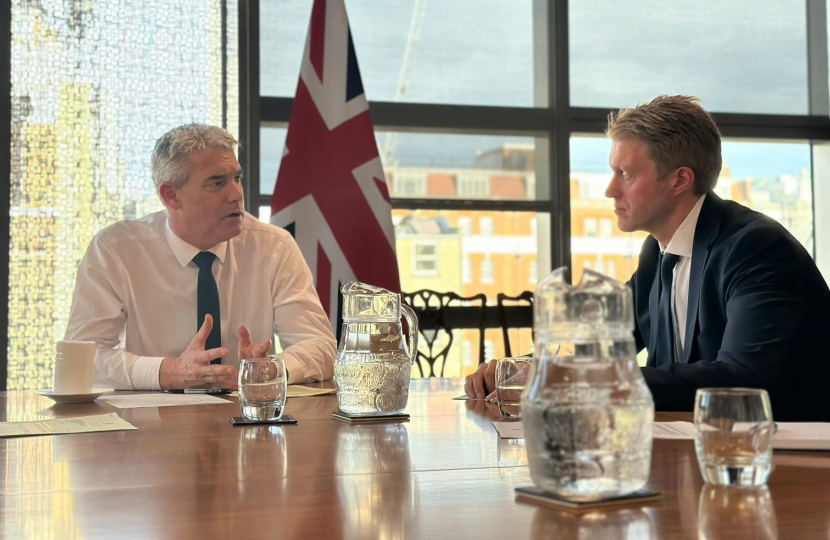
column 708, row 224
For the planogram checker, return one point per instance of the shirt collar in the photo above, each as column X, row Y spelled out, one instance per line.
column 683, row 240
column 184, row 252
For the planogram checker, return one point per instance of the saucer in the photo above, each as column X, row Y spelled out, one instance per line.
column 65, row 397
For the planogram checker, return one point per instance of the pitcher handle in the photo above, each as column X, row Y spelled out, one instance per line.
column 412, row 320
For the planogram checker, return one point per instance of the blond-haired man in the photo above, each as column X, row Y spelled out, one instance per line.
column 724, row 296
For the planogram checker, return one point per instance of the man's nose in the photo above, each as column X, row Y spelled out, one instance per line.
column 236, row 192
column 611, row 191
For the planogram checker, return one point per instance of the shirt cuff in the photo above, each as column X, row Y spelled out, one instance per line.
column 145, row 373
column 296, row 373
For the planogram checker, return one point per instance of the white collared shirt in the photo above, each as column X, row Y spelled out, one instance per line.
column 682, row 244
column 135, row 296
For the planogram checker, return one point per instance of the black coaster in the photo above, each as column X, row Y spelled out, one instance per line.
column 534, row 495
column 284, row 419
column 361, row 418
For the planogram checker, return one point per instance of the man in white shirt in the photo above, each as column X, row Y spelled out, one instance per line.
column 145, row 287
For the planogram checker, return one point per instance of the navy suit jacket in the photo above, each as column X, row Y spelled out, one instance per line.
column 758, row 316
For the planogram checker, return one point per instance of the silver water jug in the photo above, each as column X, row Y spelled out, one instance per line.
column 587, row 412
column 374, row 361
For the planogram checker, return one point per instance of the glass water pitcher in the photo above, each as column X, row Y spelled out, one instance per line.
column 587, row 411
column 374, row 361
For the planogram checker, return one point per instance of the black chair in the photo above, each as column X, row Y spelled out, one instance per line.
column 512, row 318
column 438, row 315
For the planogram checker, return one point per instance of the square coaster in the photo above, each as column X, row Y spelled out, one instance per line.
column 534, row 495
column 284, row 419
column 362, row 418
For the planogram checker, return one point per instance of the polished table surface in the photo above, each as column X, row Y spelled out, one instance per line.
column 187, row 473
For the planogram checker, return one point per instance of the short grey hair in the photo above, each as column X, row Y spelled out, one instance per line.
column 170, row 155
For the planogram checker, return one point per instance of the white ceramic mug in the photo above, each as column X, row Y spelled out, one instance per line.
column 74, row 363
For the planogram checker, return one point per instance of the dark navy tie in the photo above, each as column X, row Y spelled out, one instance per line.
column 207, row 300
column 665, row 321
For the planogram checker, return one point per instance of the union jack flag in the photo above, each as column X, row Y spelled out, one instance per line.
column 331, row 193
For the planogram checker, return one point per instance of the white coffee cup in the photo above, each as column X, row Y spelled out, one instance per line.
column 74, row 364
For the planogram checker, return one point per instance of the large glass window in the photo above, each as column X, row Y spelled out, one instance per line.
column 94, row 84
column 742, row 56
column 473, row 52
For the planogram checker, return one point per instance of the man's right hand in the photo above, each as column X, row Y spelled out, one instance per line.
column 482, row 383
column 192, row 369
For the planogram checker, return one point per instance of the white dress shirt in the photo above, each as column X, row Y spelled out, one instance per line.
column 682, row 244
column 135, row 296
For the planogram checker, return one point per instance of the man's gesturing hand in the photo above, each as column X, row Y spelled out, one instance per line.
column 192, row 369
column 247, row 348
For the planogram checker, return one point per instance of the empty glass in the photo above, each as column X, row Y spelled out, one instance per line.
column 733, row 435
column 511, row 378
column 262, row 388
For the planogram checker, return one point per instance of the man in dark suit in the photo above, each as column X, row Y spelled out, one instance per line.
column 723, row 296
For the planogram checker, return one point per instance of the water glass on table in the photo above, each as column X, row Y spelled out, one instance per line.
column 733, row 435
column 263, row 387
column 511, row 377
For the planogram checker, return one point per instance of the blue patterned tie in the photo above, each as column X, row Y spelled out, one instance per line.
column 207, row 300
column 665, row 334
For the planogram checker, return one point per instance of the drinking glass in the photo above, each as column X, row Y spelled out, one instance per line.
column 511, row 377
column 262, row 388
column 733, row 435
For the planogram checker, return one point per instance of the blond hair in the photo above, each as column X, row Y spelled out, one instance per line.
column 678, row 132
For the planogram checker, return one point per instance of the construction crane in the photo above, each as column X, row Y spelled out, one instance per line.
column 391, row 140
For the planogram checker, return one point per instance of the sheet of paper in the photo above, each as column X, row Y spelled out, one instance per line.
column 674, row 430
column 59, row 426
column 296, row 390
column 789, row 435
column 159, row 399
column 465, row 398
column 509, row 430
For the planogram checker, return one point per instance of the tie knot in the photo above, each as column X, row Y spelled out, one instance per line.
column 670, row 260
column 204, row 260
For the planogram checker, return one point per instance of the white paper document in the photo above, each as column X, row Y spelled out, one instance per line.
column 305, row 391
column 509, row 430
column 59, row 426
column 789, row 436
column 296, row 390
column 159, row 399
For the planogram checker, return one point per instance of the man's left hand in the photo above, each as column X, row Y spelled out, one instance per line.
column 248, row 349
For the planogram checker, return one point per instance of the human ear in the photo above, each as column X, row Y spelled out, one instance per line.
column 684, row 180
column 169, row 196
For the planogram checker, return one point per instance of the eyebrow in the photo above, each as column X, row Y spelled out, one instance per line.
column 220, row 176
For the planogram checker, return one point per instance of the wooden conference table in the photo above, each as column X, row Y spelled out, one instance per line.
column 187, row 473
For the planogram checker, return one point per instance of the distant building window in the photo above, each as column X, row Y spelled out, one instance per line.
column 425, row 259
column 534, row 272
column 467, row 353
column 590, row 226
column 605, row 227
column 487, row 270
column 599, row 266
column 485, row 224
column 489, row 349
column 409, row 184
column 612, row 269
column 465, row 226
column 473, row 186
